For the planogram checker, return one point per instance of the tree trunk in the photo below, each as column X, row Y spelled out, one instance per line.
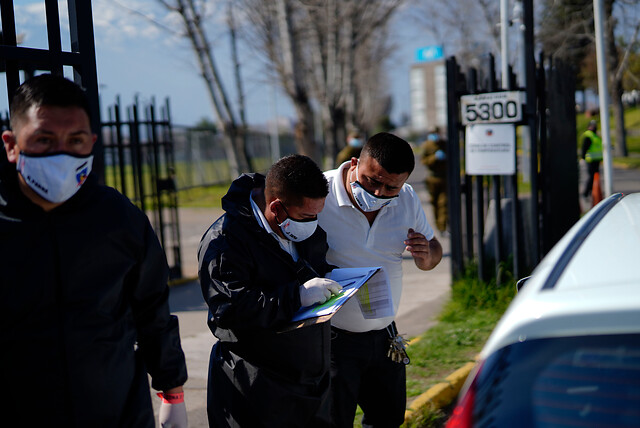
column 304, row 131
column 292, row 81
column 620, row 148
column 242, row 137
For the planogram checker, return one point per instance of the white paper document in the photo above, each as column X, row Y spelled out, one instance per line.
column 374, row 296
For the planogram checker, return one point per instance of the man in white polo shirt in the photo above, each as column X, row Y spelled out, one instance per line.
column 371, row 217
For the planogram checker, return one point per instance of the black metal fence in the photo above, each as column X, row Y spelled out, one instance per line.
column 139, row 162
column 491, row 220
column 82, row 57
column 149, row 161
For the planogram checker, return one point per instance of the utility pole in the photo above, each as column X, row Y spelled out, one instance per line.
column 603, row 97
column 504, row 43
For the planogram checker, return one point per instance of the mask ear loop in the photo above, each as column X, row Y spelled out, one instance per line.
column 351, row 175
column 276, row 213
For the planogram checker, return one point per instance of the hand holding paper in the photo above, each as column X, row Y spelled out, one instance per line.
column 318, row 290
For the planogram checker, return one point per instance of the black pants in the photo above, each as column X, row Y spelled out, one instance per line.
column 362, row 373
column 592, row 168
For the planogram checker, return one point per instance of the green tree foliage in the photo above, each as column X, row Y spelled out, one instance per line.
column 566, row 31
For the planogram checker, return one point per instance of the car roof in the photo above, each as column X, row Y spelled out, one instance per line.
column 589, row 283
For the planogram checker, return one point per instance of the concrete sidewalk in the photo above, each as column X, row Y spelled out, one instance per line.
column 424, row 293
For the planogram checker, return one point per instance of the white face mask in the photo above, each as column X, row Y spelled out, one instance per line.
column 297, row 230
column 365, row 200
column 56, row 177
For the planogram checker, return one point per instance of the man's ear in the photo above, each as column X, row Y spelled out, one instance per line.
column 275, row 209
column 10, row 146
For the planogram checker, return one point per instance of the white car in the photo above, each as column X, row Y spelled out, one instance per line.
column 567, row 351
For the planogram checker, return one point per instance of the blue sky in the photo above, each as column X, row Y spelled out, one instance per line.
column 137, row 57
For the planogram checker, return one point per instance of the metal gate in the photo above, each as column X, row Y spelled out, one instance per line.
column 139, row 162
column 525, row 226
column 82, row 57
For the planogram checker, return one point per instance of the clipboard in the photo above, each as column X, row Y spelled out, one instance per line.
column 351, row 279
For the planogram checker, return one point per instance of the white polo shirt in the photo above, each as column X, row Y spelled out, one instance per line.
column 353, row 243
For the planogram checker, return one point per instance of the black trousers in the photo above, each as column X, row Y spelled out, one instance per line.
column 592, row 168
column 362, row 374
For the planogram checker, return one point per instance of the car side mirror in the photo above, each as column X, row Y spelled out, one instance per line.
column 521, row 283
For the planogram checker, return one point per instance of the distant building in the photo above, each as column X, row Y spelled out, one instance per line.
column 428, row 86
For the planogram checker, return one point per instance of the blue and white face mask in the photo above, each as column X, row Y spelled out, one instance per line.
column 356, row 142
column 55, row 177
column 365, row 200
column 297, row 230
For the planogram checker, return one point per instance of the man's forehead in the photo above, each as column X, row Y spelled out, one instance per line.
column 373, row 169
column 311, row 204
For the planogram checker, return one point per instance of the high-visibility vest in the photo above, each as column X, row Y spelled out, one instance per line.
column 594, row 153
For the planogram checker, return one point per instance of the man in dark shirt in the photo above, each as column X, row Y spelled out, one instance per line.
column 84, row 307
column 258, row 264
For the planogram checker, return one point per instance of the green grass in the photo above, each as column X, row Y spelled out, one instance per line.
column 464, row 326
column 205, row 197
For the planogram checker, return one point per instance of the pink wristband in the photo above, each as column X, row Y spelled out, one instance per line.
column 172, row 398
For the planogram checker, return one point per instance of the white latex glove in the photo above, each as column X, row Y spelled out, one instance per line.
column 318, row 290
column 173, row 413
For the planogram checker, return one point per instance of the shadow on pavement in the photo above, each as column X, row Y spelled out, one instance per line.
column 186, row 297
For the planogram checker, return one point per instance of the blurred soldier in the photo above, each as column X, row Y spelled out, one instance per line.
column 352, row 149
column 434, row 157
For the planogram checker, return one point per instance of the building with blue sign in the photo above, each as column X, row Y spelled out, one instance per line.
column 428, row 86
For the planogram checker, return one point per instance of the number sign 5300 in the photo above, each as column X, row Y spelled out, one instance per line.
column 493, row 107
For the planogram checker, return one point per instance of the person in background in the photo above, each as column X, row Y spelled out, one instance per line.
column 84, row 307
column 434, row 157
column 372, row 216
column 592, row 154
column 352, row 149
column 258, row 264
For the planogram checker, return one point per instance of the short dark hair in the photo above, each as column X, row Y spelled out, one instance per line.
column 47, row 90
column 392, row 153
column 295, row 177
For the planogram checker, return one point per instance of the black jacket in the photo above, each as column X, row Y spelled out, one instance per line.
column 258, row 376
column 81, row 287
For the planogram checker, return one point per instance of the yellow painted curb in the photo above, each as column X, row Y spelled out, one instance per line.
column 443, row 393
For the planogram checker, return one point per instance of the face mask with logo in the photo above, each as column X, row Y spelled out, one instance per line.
column 355, row 142
column 55, row 177
column 297, row 230
column 365, row 200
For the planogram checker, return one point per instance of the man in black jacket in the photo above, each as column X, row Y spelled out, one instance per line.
column 258, row 264
column 83, row 280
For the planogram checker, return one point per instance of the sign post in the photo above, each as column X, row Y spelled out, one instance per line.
column 492, row 107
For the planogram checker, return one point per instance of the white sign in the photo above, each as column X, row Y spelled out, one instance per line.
column 492, row 107
column 490, row 149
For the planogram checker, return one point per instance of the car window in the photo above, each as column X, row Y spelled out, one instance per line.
column 590, row 381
